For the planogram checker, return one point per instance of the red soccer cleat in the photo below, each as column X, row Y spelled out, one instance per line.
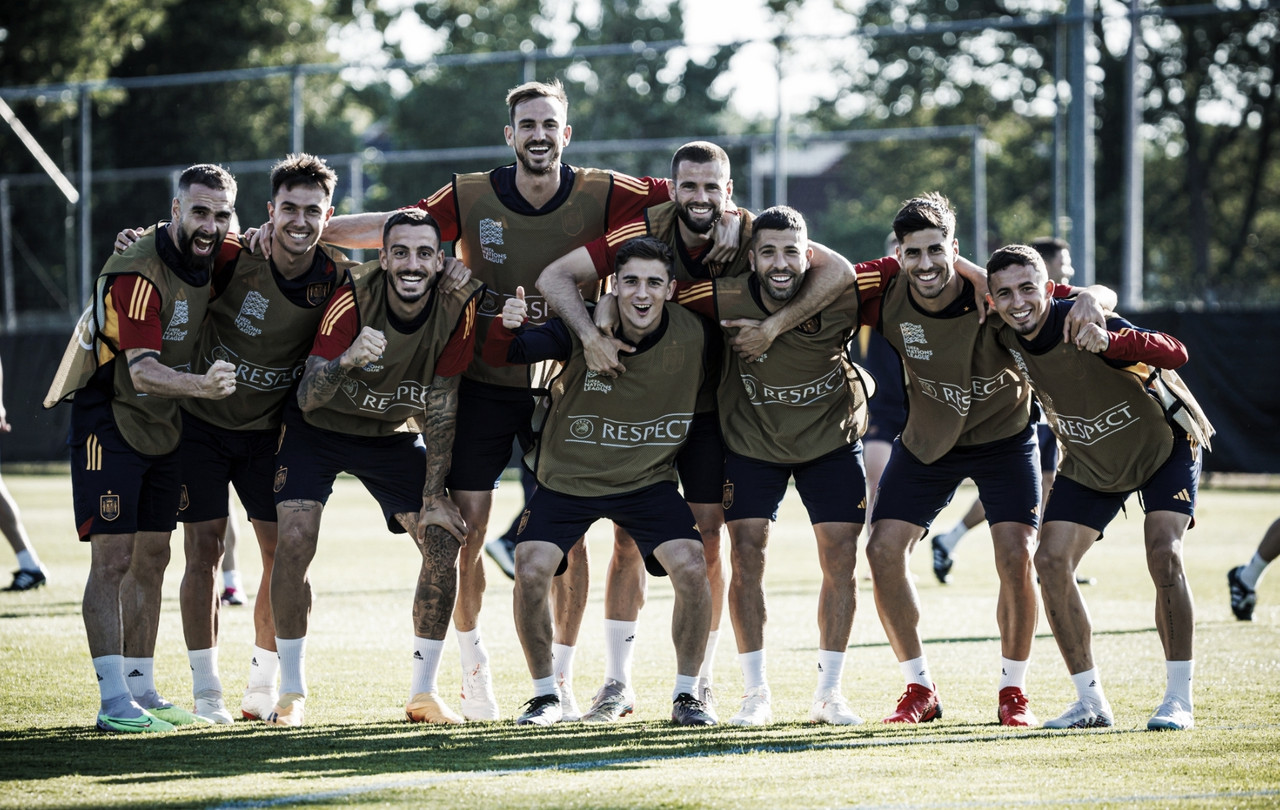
column 917, row 705
column 1014, row 710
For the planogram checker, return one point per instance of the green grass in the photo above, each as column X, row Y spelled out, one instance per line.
column 356, row 750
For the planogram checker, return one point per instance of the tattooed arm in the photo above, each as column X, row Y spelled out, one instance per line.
column 440, row 514
column 321, row 379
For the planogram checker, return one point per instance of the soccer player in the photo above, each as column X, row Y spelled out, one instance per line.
column 1242, row 581
column 378, row 400
column 125, row 430
column 31, row 573
column 700, row 191
column 1102, row 393
column 608, row 450
column 969, row 416
column 796, row 411
column 508, row 224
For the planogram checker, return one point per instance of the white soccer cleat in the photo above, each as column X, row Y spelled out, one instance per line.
column 706, row 693
column 755, row 710
column 1084, row 714
column 211, row 707
column 427, row 707
column 478, row 701
column 831, row 707
column 1172, row 715
column 257, row 703
column 288, row 711
column 570, row 713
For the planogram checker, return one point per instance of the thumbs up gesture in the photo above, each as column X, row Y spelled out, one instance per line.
column 515, row 311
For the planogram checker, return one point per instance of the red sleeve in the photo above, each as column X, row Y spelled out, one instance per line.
column 1140, row 346
column 1065, row 290
column 137, row 309
column 697, row 296
column 443, row 208
column 339, row 327
column 497, row 344
column 873, row 277
column 604, row 251
column 630, row 196
column 461, row 347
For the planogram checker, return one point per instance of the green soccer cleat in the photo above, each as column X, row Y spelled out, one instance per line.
column 145, row 723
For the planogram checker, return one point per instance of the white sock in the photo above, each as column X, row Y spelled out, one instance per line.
column 917, row 671
column 1013, row 673
column 111, row 681
column 263, row 668
column 293, row 665
column 619, row 650
column 685, row 684
column 1252, row 572
column 426, row 663
column 231, row 579
column 204, row 671
column 29, row 561
column 830, row 668
column 1178, row 675
column 951, row 537
column 562, row 664
column 140, row 674
column 471, row 648
column 544, row 686
column 709, row 658
column 1089, row 686
column 753, row 671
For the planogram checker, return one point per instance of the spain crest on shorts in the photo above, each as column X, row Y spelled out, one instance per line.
column 184, row 500
column 109, row 507
column 726, row 499
column 524, row 521
column 282, row 475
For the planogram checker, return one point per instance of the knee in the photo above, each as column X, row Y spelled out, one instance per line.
column 1164, row 560
column 1053, row 564
column 883, row 554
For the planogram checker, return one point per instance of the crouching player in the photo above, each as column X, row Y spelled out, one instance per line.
column 1124, row 425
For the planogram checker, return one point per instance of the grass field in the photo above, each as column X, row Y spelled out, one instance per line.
column 356, row 750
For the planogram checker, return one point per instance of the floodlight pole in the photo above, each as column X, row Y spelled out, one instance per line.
column 780, row 137
column 6, row 257
column 86, row 163
column 1131, row 274
column 1080, row 140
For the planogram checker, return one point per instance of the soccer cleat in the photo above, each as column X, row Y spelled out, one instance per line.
column 687, row 710
column 542, row 710
column 427, row 707
column 478, row 702
column 1171, row 715
column 145, row 723
column 613, row 702
column 755, row 710
column 569, row 711
column 166, row 711
column 1243, row 598
column 1014, row 709
column 919, row 704
column 257, row 703
column 942, row 561
column 503, row 552
column 26, row 580
column 232, row 596
column 210, row 706
column 831, row 707
column 1084, row 714
column 706, row 693
column 288, row 710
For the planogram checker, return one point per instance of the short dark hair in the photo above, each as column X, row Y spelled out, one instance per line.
column 645, row 247
column 698, row 152
column 303, row 169
column 209, row 176
column 414, row 217
column 531, row 90
column 1015, row 256
column 778, row 218
column 1049, row 247
column 927, row 211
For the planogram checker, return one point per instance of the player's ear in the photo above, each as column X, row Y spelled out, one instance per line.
column 565, row 135
column 507, row 133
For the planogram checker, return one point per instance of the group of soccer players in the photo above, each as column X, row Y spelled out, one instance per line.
column 718, row 362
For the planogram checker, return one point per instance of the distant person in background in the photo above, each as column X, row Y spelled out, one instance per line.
column 1243, row 579
column 30, row 573
column 232, row 585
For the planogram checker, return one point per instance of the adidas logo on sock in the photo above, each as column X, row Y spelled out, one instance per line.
column 417, row 656
column 1003, row 671
column 134, row 674
column 631, row 638
column 99, row 678
column 819, row 666
column 1092, row 684
column 920, row 674
column 253, row 662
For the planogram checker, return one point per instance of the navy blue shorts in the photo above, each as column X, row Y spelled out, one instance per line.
column 1048, row 448
column 1007, row 473
column 213, row 458
column 489, row 418
column 652, row 516
column 1172, row 488
column 115, row 489
column 393, row 468
column 700, row 462
column 832, row 487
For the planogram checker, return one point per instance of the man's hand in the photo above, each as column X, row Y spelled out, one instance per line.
column 456, row 275
column 601, row 354
column 127, row 237
column 367, row 347
column 515, row 311
column 753, row 339
column 440, row 510
column 1086, row 310
column 261, row 237
column 724, row 239
column 1093, row 338
column 219, row 382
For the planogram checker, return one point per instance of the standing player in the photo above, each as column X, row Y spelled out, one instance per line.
column 387, row 356
column 1102, row 395
column 125, row 430
column 1242, row 581
column 507, row 225
column 969, row 416
column 608, row 450
column 30, row 573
